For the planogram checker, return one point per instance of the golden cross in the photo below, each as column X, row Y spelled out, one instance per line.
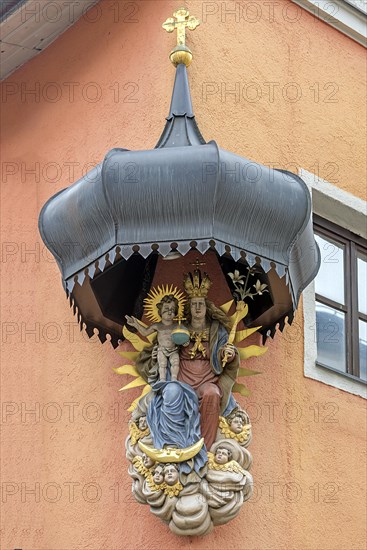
column 179, row 318
column 198, row 264
column 183, row 21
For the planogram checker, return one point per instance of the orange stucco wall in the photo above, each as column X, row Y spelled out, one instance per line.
column 308, row 446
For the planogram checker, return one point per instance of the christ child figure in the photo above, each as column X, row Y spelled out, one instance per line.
column 167, row 350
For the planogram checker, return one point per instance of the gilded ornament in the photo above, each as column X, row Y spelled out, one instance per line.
column 136, row 433
column 241, row 437
column 156, row 295
column 198, row 338
column 169, row 463
column 140, row 466
column 197, row 286
column 180, row 21
column 230, row 466
column 170, row 454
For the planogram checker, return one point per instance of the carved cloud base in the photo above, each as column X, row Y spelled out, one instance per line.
column 196, row 508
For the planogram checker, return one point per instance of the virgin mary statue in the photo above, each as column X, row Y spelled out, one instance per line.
column 184, row 411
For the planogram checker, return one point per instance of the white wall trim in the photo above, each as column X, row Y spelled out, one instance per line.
column 341, row 15
column 336, row 205
column 350, row 212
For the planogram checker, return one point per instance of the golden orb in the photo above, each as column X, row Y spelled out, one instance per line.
column 180, row 55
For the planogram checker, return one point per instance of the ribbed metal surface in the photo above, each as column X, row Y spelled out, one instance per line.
column 186, row 192
column 182, row 194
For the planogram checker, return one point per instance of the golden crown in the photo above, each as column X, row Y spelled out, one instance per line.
column 197, row 285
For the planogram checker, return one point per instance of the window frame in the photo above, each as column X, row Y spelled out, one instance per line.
column 344, row 209
column 343, row 15
column 353, row 245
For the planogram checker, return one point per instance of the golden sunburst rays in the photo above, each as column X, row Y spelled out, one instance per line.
column 226, row 307
column 244, row 352
column 135, row 340
column 137, row 381
column 138, row 344
column 155, row 296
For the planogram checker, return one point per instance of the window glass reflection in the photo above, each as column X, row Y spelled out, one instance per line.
column 362, row 349
column 362, row 283
column 330, row 326
column 330, row 279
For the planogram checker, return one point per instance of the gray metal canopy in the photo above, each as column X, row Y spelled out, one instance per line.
column 184, row 194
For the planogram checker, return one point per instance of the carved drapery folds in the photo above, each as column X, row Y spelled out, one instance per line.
column 188, row 438
column 194, row 508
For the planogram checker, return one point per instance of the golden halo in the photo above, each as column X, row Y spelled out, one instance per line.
column 155, row 296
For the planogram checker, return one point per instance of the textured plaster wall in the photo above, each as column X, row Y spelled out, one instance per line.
column 308, row 447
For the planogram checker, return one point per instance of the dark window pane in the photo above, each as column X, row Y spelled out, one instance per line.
column 362, row 325
column 362, row 283
column 330, row 326
column 330, row 279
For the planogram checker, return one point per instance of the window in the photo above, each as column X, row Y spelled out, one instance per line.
column 343, row 209
column 341, row 300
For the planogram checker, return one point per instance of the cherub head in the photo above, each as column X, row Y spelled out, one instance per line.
column 147, row 461
column 222, row 455
column 236, row 421
column 168, row 308
column 158, row 474
column 141, row 423
column 170, row 474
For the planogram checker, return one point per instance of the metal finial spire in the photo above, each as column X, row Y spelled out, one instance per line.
column 181, row 53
